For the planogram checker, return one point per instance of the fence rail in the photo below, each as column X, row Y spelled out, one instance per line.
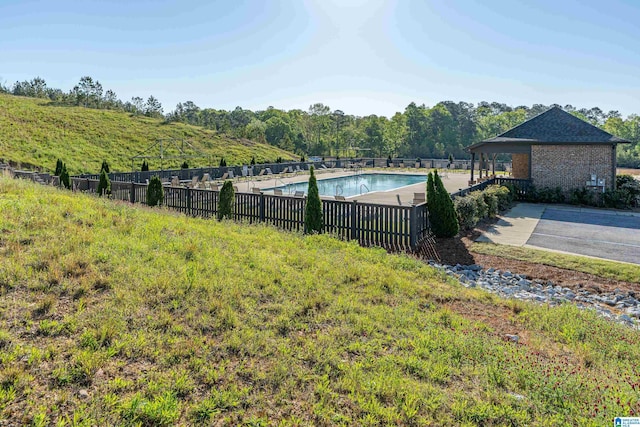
column 388, row 226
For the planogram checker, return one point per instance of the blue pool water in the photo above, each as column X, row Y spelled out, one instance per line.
column 356, row 184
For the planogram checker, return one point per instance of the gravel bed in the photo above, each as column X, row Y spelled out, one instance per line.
column 618, row 306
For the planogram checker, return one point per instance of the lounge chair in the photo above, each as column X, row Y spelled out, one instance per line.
column 231, row 176
column 194, row 182
column 175, row 181
column 256, row 190
column 341, row 198
column 298, row 194
column 268, row 171
column 277, row 192
column 261, row 174
column 419, row 198
column 224, row 176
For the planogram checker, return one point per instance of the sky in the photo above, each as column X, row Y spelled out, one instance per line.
column 360, row 56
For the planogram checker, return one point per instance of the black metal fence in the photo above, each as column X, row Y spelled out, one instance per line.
column 389, row 226
column 276, row 168
column 519, row 186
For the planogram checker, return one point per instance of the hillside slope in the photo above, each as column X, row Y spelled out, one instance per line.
column 35, row 132
column 115, row 315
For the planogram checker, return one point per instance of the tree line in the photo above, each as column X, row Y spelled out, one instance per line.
column 418, row 131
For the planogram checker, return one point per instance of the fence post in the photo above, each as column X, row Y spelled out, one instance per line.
column 354, row 221
column 261, row 208
column 413, row 227
column 188, row 201
column 133, row 193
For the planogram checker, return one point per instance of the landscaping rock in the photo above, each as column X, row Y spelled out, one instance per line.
column 518, row 286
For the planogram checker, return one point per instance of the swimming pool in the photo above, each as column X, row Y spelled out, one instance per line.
column 355, row 185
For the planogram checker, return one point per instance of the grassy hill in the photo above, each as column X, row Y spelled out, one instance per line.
column 115, row 315
column 35, row 132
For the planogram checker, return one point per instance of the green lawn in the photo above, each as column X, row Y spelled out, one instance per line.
column 119, row 315
column 602, row 268
column 35, row 132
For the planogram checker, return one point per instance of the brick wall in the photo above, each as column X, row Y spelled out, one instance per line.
column 520, row 165
column 570, row 166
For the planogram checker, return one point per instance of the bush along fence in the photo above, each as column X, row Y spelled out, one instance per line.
column 397, row 228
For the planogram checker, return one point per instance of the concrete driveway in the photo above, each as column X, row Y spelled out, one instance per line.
column 613, row 235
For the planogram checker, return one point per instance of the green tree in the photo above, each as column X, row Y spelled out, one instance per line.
column 155, row 192
column 442, row 214
column 104, row 185
column 145, row 166
column 65, row 181
column 185, row 165
column 58, row 168
column 104, row 166
column 153, row 108
column 225, row 203
column 313, row 209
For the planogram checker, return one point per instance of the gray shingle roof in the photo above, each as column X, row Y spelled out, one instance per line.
column 555, row 126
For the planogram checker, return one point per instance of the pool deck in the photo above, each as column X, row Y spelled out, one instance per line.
column 453, row 181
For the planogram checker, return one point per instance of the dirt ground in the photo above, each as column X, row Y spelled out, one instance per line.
column 456, row 251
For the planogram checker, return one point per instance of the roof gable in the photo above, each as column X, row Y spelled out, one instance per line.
column 556, row 126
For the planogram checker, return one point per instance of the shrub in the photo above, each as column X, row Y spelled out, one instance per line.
column 65, row 181
column 145, row 166
column 631, row 186
column 104, row 186
column 442, row 214
column 503, row 195
column 617, row 199
column 313, row 209
column 581, row 196
column 389, row 161
column 58, row 167
column 549, row 195
column 467, row 212
column 491, row 201
column 225, row 204
column 253, row 161
column 184, row 165
column 104, row 166
column 223, row 162
column 155, row 192
column 302, row 160
column 482, row 210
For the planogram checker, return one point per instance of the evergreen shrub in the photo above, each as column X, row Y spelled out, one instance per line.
column 313, row 209
column 155, row 192
column 104, row 185
column 225, row 204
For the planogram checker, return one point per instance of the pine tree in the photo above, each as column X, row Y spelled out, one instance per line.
column 225, row 203
column 105, row 166
column 145, row 166
column 431, row 200
column 104, row 186
column 223, row 162
column 58, row 168
column 155, row 192
column 65, row 181
column 253, row 161
column 313, row 209
column 185, row 165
